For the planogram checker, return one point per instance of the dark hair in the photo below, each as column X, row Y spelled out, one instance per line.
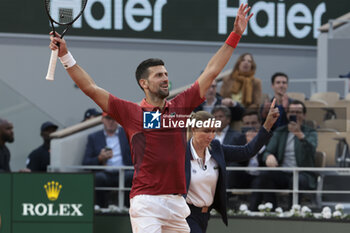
column 142, row 69
column 298, row 102
column 223, row 109
column 251, row 113
column 278, row 74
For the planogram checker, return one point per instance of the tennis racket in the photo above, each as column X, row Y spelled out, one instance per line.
column 62, row 13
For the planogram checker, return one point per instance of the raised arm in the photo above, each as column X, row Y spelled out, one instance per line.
column 223, row 55
column 242, row 153
column 234, row 153
column 79, row 75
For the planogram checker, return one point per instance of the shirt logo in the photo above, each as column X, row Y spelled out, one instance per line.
column 151, row 120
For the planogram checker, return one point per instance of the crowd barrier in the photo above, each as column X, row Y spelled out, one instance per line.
column 319, row 191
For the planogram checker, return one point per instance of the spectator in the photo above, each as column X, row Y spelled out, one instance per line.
column 279, row 84
column 108, row 147
column 212, row 99
column 292, row 145
column 91, row 113
column 39, row 159
column 241, row 85
column 6, row 135
column 224, row 134
column 251, row 124
column 251, row 121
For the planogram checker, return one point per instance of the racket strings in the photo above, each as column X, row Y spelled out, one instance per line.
column 64, row 12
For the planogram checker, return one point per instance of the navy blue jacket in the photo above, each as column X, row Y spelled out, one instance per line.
column 231, row 137
column 229, row 153
column 97, row 141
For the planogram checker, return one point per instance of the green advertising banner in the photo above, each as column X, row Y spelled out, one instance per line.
column 292, row 22
column 52, row 228
column 46, row 202
column 5, row 203
column 52, row 197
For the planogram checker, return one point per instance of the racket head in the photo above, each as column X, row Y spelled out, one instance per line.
column 64, row 12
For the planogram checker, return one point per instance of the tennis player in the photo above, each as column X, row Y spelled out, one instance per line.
column 158, row 155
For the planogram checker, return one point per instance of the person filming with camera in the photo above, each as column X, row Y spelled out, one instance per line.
column 292, row 145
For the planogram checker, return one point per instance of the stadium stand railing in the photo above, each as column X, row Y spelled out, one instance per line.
column 324, row 189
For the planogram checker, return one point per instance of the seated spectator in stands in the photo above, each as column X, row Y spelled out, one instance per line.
column 108, row 147
column 241, row 85
column 224, row 134
column 39, row 159
column 91, row 113
column 251, row 124
column 212, row 99
column 292, row 145
column 6, row 135
column 279, row 84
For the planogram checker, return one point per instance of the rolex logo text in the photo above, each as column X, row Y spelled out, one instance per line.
column 52, row 190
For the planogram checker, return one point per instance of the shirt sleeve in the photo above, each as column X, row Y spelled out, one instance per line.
column 190, row 98
column 32, row 162
column 124, row 112
column 235, row 153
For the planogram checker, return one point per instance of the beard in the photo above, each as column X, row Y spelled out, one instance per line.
column 8, row 138
column 162, row 94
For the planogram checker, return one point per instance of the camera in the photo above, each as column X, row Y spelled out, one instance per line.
column 293, row 118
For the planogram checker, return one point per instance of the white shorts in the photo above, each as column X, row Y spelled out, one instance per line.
column 159, row 214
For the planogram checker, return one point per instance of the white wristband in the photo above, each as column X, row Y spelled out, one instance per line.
column 68, row 60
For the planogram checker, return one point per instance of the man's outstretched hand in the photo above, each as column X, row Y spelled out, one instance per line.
column 242, row 19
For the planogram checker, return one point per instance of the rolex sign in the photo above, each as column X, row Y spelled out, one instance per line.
column 64, row 201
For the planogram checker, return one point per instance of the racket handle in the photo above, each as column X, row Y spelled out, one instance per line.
column 52, row 65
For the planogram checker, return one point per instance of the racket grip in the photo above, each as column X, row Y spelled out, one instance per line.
column 52, row 65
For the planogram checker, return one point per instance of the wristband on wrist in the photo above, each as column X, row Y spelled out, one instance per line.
column 233, row 39
column 68, row 60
